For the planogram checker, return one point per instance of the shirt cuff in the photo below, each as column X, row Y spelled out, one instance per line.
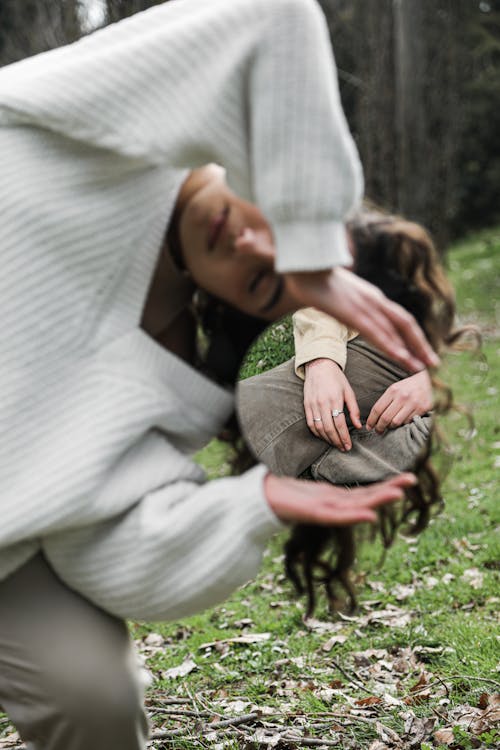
column 320, row 349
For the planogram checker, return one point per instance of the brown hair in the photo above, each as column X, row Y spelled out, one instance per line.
column 400, row 258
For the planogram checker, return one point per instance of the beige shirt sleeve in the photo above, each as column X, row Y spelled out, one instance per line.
column 316, row 335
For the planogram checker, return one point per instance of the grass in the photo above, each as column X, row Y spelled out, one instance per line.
column 443, row 586
column 424, row 644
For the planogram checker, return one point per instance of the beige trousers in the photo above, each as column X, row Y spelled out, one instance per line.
column 271, row 415
column 68, row 679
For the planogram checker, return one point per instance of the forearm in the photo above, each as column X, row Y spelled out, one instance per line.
column 157, row 89
column 318, row 336
column 179, row 550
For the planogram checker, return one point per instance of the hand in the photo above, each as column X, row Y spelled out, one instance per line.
column 326, row 388
column 301, row 501
column 361, row 306
column 401, row 402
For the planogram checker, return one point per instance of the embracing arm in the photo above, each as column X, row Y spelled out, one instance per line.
column 186, row 546
column 156, row 89
column 320, row 356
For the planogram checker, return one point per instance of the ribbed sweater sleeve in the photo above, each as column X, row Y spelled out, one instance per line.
column 249, row 84
column 179, row 550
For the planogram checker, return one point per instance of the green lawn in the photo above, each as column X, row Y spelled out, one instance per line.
column 418, row 664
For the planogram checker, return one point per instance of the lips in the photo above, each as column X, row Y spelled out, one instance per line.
column 216, row 227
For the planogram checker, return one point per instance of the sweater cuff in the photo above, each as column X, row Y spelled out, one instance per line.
column 264, row 522
column 310, row 246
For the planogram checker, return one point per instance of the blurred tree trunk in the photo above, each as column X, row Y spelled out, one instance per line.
column 33, row 26
column 401, row 69
column 428, row 113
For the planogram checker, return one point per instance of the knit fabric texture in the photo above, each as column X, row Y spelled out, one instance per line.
column 98, row 421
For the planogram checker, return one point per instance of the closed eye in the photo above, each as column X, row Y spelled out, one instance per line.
column 275, row 296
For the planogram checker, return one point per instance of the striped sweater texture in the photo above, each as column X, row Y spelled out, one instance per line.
column 98, row 422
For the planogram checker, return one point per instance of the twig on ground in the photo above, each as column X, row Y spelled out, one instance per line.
column 476, row 679
column 234, row 722
column 350, row 677
column 172, row 701
column 310, row 741
column 180, row 712
column 443, row 684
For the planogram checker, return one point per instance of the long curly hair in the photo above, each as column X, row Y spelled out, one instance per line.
column 399, row 257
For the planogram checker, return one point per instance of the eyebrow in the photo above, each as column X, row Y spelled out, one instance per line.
column 275, row 296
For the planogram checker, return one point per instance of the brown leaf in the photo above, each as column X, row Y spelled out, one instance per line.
column 444, row 736
column 336, row 684
column 415, row 700
column 370, row 701
column 422, row 681
column 483, row 700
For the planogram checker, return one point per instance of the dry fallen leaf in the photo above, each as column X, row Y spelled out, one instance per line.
column 473, row 577
column 370, row 701
column 187, row 666
column 333, row 641
column 444, row 736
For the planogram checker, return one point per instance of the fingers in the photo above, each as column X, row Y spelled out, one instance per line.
column 378, row 409
column 312, row 420
column 413, row 336
column 342, row 431
column 384, row 331
column 401, row 402
column 352, row 406
column 331, row 429
column 415, row 351
column 320, row 503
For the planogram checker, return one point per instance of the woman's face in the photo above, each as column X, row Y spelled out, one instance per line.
column 227, row 246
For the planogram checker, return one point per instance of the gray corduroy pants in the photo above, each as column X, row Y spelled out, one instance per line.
column 271, row 415
column 68, row 680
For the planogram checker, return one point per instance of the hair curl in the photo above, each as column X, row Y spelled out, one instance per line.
column 399, row 257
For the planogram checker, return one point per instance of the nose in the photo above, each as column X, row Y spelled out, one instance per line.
column 254, row 243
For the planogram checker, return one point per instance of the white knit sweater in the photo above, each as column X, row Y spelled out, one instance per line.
column 98, row 421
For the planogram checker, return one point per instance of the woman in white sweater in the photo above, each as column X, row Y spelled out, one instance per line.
column 99, row 409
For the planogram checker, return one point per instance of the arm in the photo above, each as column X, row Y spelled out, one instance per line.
column 186, row 547
column 320, row 355
column 361, row 306
column 156, row 89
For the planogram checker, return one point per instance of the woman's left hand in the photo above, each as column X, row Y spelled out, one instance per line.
column 401, row 402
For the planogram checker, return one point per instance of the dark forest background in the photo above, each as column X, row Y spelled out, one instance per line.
column 420, row 83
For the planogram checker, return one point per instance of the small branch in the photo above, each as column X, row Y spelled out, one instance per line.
column 172, row 701
column 234, row 722
column 443, row 684
column 310, row 741
column 180, row 712
column 469, row 677
column 243, row 719
column 350, row 678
